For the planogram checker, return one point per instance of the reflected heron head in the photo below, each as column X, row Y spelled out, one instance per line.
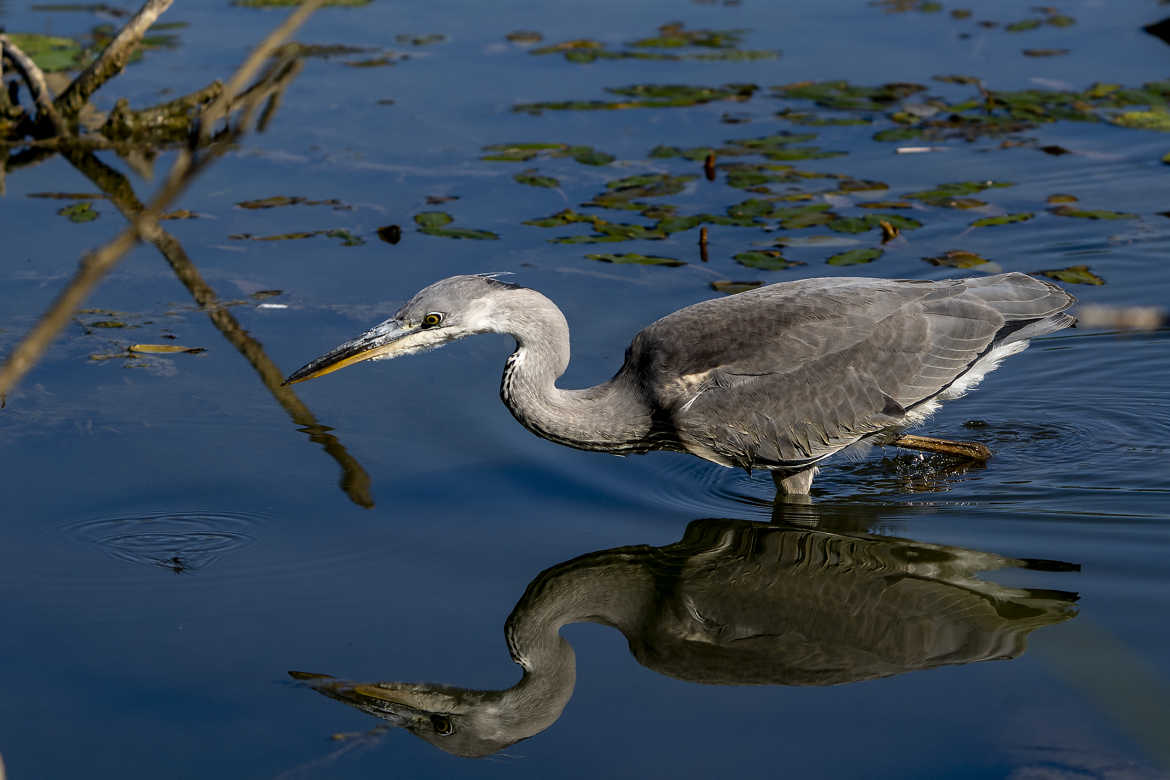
column 447, row 310
column 460, row 721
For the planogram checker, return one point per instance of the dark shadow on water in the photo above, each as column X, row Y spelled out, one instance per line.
column 736, row 603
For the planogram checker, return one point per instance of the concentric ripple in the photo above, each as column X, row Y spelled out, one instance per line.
column 183, row 542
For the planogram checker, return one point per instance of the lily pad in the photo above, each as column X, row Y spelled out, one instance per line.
column 531, row 178
column 951, row 194
column 430, row 220
column 646, row 96
column 765, row 259
column 433, row 223
column 523, row 152
column 1074, row 274
column 855, row 257
column 1060, row 197
column 79, row 212
column 1070, row 211
column 1144, row 120
column 958, row 258
column 636, row 259
column 50, row 53
column 728, row 287
column 1006, row 219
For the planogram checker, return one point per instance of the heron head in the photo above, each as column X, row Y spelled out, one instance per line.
column 460, row 721
column 445, row 311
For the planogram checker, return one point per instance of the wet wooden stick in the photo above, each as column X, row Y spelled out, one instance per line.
column 963, row 449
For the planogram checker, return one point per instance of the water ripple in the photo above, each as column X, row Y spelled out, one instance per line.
column 183, row 542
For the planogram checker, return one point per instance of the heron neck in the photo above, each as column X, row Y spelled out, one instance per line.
column 615, row 590
column 610, row 417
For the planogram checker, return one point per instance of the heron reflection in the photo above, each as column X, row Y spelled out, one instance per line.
column 732, row 603
column 778, row 378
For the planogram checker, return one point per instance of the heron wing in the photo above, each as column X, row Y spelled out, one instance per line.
column 788, row 374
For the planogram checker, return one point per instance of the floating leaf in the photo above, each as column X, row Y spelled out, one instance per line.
column 636, row 259
column 1060, row 197
column 957, row 258
column 1024, row 26
column 1144, row 120
column 107, row 324
column 855, row 257
column 79, row 212
column 1074, row 274
column 765, row 259
column 1005, row 219
column 728, row 287
column 950, row 194
column 1044, row 52
column 50, row 53
column 531, row 178
column 433, row 219
column 433, row 223
column 164, row 349
column 1070, row 211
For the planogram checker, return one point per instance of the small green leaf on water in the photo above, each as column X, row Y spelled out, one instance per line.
column 1044, row 52
column 1061, row 197
column 957, row 258
column 765, row 260
column 107, row 324
column 1005, row 219
column 79, row 212
column 855, row 257
column 1027, row 24
column 48, row 52
column 728, row 287
column 1074, row 274
column 1144, row 120
column 636, row 259
column 531, row 178
column 433, row 219
column 1070, row 211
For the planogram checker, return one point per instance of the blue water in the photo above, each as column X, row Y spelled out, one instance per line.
column 175, row 542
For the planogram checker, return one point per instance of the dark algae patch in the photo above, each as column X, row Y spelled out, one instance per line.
column 525, row 151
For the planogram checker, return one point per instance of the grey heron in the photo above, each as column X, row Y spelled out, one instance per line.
column 732, row 603
column 776, row 378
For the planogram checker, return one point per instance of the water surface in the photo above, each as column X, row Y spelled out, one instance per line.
column 180, row 535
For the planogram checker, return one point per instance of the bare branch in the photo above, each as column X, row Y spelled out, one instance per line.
column 112, row 59
column 35, row 79
column 188, row 164
column 219, row 108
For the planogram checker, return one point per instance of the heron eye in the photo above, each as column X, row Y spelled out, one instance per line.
column 442, row 725
column 432, row 319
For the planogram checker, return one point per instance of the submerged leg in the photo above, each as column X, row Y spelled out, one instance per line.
column 794, row 484
column 963, row 449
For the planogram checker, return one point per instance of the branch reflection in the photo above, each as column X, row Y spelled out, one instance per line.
column 733, row 603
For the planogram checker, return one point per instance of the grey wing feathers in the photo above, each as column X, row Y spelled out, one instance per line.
column 787, row 374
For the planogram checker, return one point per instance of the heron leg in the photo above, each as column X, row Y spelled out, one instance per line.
column 794, row 484
column 971, row 450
